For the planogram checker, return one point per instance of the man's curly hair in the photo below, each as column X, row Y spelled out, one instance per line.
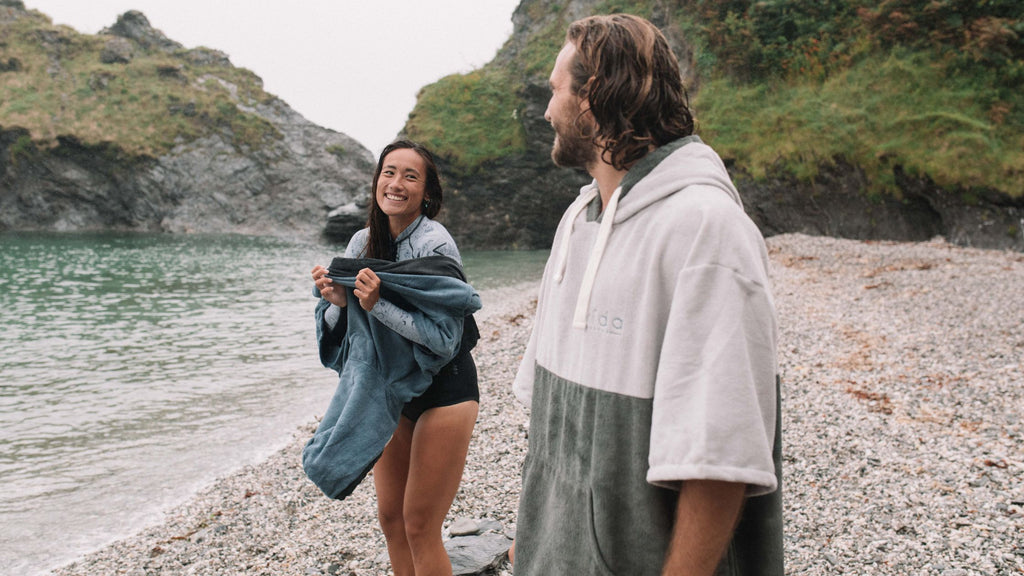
column 629, row 76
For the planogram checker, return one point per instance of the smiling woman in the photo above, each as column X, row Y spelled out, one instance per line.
column 404, row 168
column 419, row 472
column 401, row 189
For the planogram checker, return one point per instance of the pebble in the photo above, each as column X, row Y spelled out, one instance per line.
column 903, row 387
column 477, row 554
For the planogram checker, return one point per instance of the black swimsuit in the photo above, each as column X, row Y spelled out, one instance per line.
column 455, row 383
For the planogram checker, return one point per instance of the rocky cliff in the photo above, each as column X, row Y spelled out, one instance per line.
column 513, row 197
column 129, row 130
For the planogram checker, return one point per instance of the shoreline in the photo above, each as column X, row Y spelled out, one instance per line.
column 903, row 442
column 218, row 518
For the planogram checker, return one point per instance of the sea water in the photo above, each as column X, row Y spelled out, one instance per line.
column 135, row 369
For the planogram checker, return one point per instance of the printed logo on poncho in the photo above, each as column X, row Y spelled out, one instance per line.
column 605, row 322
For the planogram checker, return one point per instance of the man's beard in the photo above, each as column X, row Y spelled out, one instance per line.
column 571, row 148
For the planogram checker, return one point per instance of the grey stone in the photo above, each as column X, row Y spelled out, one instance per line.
column 208, row 57
column 477, row 554
column 134, row 25
column 469, row 526
column 116, row 50
column 464, row 527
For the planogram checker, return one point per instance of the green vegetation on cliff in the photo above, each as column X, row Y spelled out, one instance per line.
column 882, row 112
column 57, row 82
column 934, row 87
column 471, row 118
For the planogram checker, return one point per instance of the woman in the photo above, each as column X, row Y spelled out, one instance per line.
column 418, row 474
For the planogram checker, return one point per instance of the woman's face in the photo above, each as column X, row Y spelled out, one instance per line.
column 401, row 187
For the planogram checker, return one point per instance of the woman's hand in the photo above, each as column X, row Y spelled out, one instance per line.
column 367, row 289
column 329, row 291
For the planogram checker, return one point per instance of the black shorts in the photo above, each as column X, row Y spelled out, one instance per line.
column 454, row 384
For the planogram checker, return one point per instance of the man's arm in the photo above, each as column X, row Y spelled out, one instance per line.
column 706, row 516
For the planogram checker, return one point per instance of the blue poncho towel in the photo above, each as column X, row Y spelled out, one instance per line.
column 379, row 369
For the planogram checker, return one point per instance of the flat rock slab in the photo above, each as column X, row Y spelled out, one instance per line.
column 478, row 553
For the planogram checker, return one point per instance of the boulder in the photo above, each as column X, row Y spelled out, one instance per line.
column 116, row 50
column 134, row 25
column 476, row 546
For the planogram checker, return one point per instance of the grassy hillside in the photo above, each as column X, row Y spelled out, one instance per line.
column 471, row 118
column 935, row 87
column 53, row 82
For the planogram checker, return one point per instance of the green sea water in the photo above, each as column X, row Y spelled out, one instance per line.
column 135, row 369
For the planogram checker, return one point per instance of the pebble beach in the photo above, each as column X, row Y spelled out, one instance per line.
column 902, row 370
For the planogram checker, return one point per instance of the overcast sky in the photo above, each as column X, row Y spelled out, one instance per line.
column 351, row 65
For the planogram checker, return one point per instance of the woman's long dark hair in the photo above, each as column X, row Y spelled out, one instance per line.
column 380, row 243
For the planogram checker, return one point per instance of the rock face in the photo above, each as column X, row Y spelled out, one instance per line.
column 203, row 186
column 288, row 185
column 516, row 202
column 291, row 186
column 312, row 180
column 834, row 205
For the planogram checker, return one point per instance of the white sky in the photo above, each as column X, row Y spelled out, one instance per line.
column 350, row 65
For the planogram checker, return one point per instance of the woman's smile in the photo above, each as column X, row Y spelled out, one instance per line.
column 401, row 188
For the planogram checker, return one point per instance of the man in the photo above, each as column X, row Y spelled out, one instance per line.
column 651, row 370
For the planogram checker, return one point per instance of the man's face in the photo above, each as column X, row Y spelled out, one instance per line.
column 571, row 148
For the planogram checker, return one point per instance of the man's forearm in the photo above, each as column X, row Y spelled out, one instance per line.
column 706, row 516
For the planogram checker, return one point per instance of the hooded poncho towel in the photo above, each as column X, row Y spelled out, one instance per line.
column 379, row 369
column 652, row 362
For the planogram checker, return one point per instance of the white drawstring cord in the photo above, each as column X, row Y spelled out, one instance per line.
column 563, row 255
column 579, row 319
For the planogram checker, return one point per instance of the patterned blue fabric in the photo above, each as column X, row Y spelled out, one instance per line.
column 379, row 369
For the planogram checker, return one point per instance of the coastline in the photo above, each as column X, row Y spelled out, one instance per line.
column 903, row 450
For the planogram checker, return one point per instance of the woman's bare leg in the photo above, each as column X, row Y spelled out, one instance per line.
column 389, row 480
column 440, row 442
